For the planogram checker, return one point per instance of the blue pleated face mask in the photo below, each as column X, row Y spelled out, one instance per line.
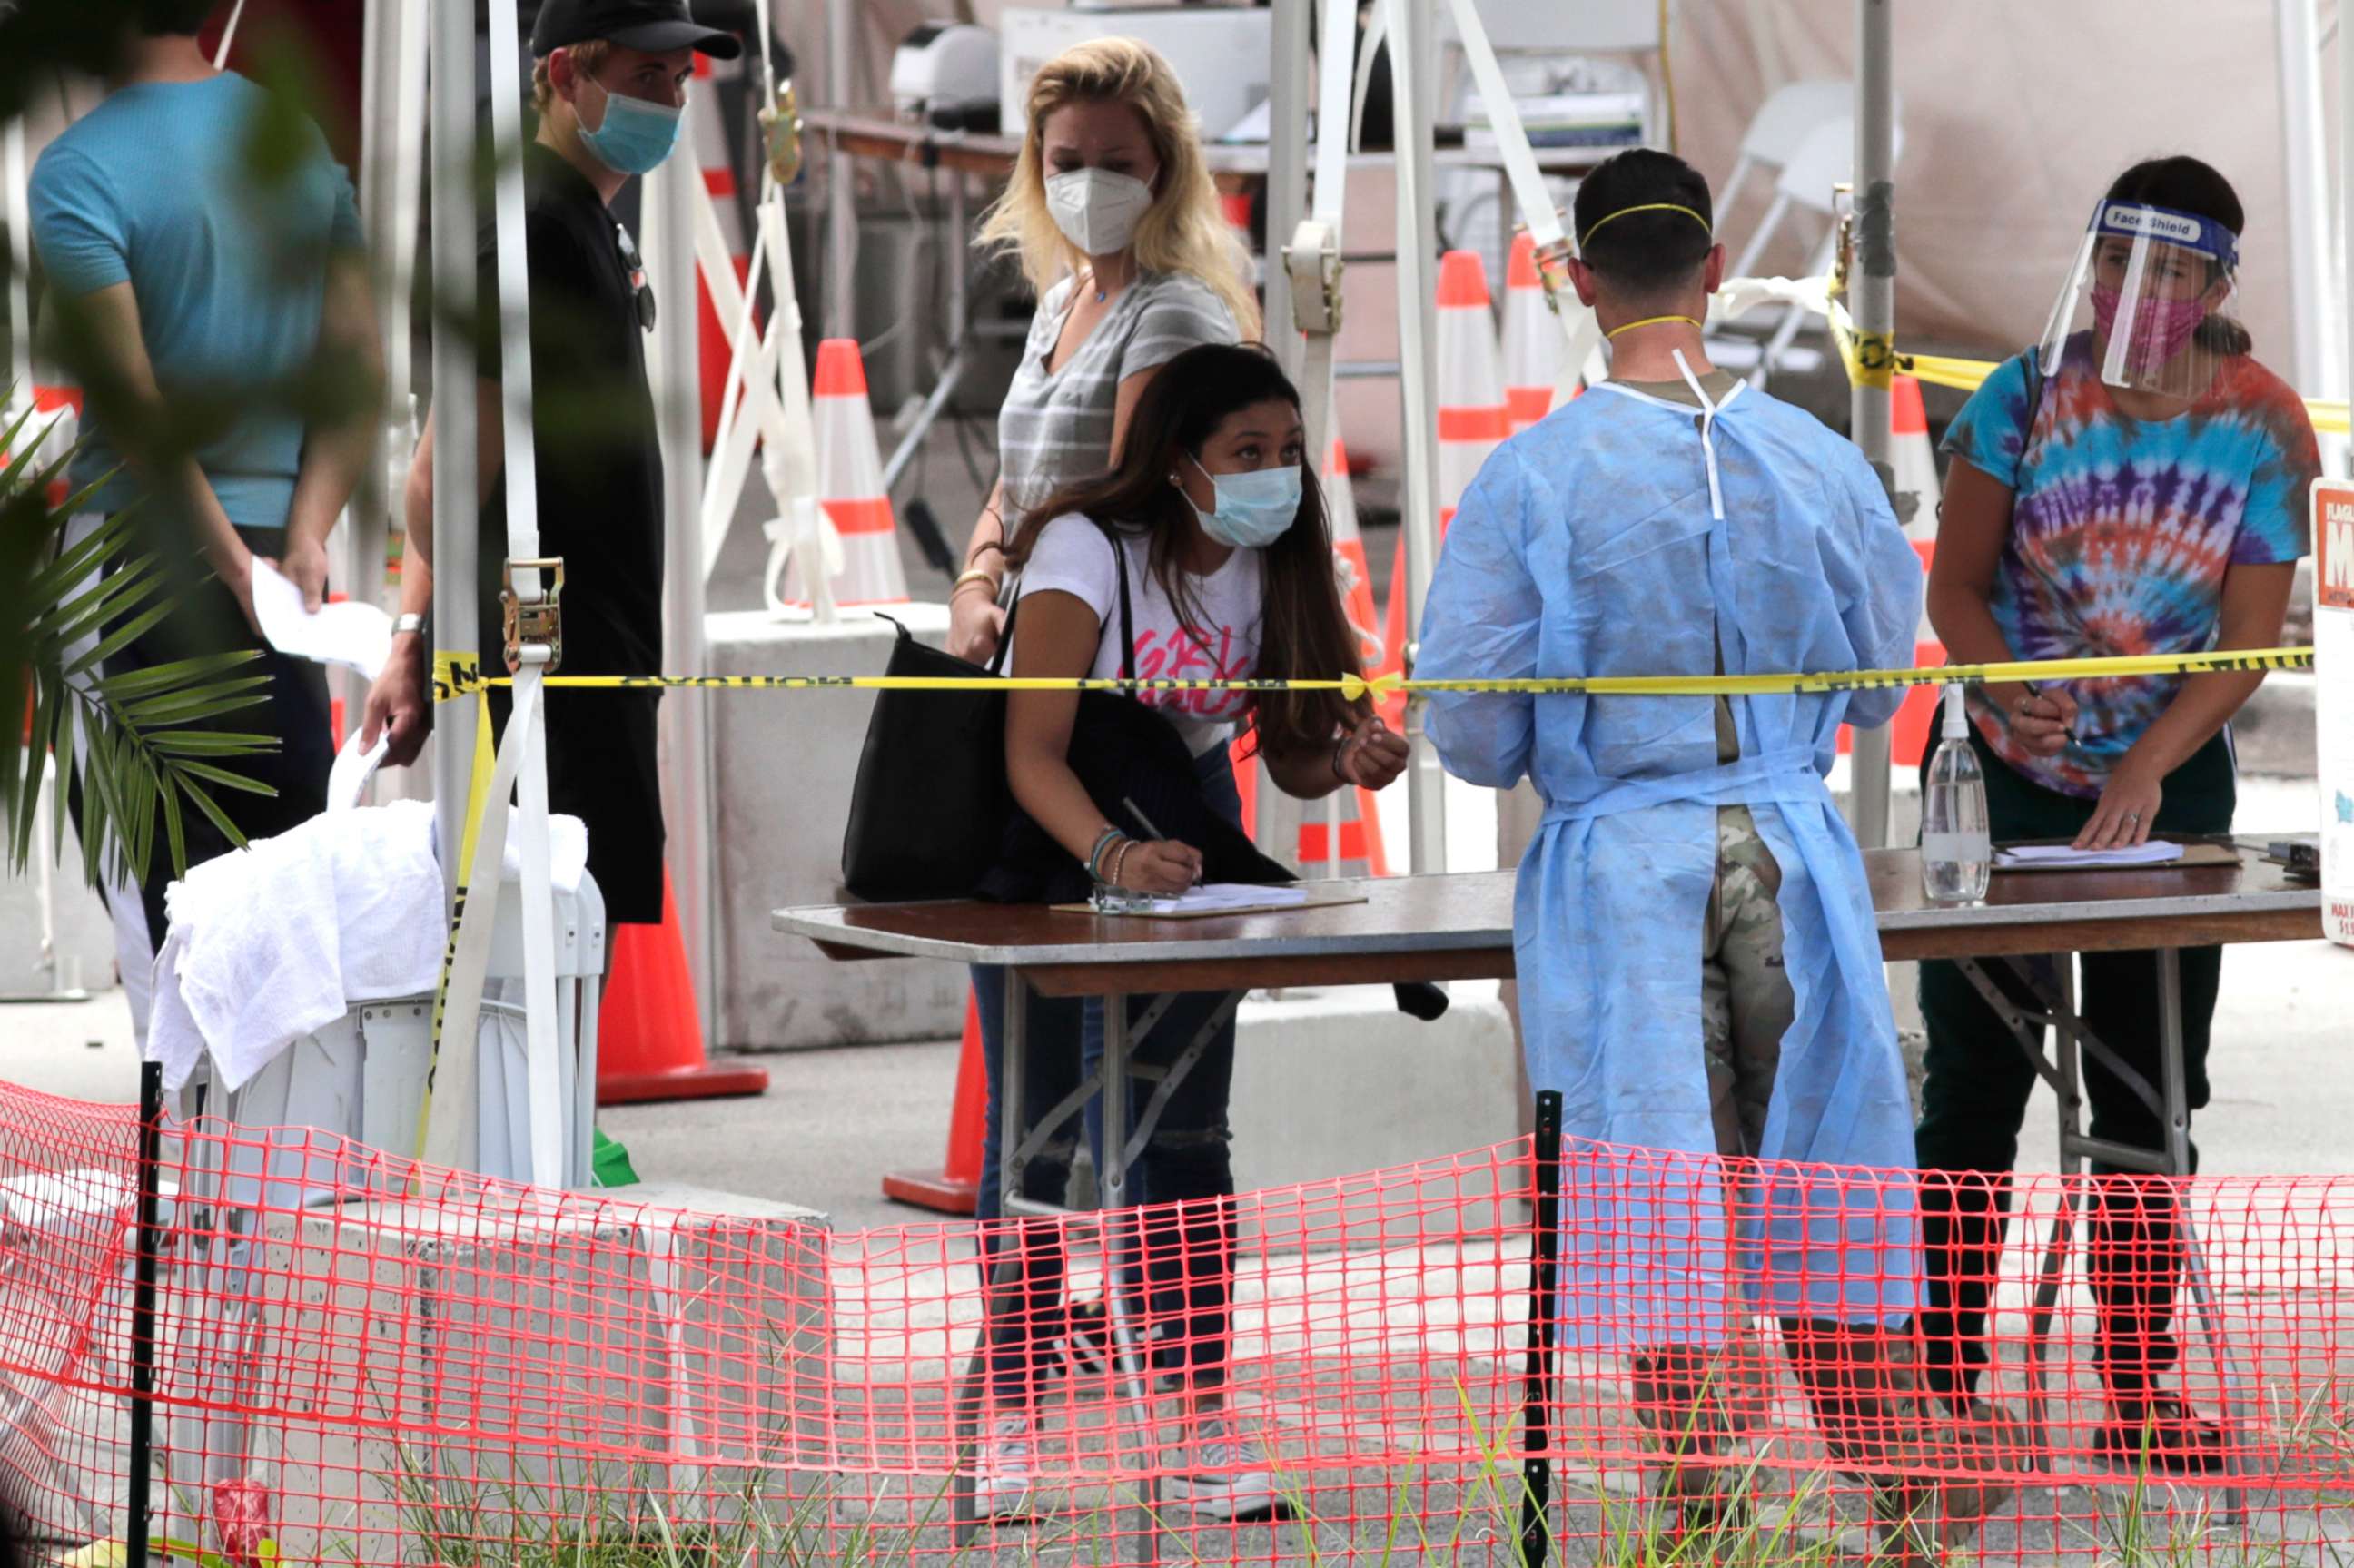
column 1254, row 509
column 635, row 136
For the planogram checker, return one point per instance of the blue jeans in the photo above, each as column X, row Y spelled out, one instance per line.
column 1182, row 1227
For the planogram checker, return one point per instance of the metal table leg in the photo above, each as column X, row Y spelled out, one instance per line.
column 2171, row 1101
column 1123, row 1145
column 2238, row 1420
column 1145, row 1543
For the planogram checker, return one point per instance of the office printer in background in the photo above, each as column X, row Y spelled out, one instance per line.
column 945, row 74
column 1220, row 53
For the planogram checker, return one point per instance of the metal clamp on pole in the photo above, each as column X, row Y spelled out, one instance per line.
column 1313, row 262
column 781, row 131
column 538, row 622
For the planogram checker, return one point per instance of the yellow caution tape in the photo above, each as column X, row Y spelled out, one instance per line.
column 1871, row 357
column 455, row 674
column 478, row 793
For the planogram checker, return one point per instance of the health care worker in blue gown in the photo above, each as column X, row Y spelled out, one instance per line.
column 1700, row 971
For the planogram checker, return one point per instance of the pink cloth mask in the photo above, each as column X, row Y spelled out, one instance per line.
column 2160, row 327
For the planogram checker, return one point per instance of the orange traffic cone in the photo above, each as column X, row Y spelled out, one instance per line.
column 1351, row 814
column 1472, row 421
column 649, row 1036
column 1912, row 457
column 1916, row 464
column 719, row 179
column 1533, row 344
column 850, row 486
column 955, row 1188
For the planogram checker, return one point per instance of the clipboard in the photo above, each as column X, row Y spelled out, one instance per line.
column 1317, row 898
column 2195, row 853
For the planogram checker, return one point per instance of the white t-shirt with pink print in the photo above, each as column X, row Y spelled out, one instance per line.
column 1074, row 556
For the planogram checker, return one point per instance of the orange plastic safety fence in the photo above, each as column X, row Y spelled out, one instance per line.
column 360, row 1362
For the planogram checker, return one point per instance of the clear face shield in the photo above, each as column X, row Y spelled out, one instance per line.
column 2144, row 280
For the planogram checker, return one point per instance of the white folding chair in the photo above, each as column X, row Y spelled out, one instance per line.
column 1777, row 133
column 1821, row 163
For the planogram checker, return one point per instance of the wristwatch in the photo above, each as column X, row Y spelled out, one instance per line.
column 407, row 622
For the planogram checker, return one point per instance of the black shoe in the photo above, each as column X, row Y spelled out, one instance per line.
column 2162, row 1434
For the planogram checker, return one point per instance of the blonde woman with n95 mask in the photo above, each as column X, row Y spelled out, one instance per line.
column 1118, row 227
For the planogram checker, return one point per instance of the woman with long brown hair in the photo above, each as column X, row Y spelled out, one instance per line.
column 1205, row 554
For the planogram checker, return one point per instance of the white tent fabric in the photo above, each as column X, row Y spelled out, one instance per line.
column 2017, row 114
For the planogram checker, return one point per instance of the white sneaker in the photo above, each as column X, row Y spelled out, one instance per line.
column 1225, row 1475
column 1002, row 1480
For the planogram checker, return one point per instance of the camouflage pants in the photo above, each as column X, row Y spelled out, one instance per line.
column 1747, row 1003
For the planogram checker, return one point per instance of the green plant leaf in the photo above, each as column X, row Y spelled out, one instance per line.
column 121, row 637
column 210, row 743
column 221, row 776
column 172, row 707
column 131, row 685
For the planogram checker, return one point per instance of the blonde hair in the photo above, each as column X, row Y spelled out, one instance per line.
column 1184, row 230
column 587, row 59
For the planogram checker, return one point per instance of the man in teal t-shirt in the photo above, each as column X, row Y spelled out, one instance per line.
column 203, row 255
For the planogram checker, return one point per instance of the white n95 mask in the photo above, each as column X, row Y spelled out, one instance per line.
column 1097, row 209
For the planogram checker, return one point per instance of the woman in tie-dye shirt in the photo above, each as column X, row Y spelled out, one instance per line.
column 2083, row 518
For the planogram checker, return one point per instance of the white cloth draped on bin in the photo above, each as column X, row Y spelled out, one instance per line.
column 277, row 940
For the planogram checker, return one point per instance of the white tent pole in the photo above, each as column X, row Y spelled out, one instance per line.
column 455, row 514
column 668, row 219
column 1287, row 176
column 20, row 254
column 388, row 148
column 1417, row 241
column 2315, row 364
column 1872, row 290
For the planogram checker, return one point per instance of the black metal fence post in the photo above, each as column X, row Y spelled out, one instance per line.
column 1544, row 1259
column 142, row 1313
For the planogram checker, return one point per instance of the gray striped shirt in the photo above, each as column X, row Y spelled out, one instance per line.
column 1057, row 426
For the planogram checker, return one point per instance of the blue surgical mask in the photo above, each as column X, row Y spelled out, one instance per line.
column 636, row 136
column 1254, row 509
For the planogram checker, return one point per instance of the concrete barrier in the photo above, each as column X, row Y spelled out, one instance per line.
column 782, row 768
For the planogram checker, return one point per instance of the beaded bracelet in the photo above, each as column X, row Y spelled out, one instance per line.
column 1119, row 860
column 1095, row 856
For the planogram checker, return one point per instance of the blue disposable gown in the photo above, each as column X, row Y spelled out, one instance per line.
column 1591, row 545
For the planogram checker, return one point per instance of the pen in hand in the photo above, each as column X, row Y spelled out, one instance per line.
column 1150, row 831
column 2035, row 690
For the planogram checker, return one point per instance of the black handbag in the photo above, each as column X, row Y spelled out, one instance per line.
column 927, row 811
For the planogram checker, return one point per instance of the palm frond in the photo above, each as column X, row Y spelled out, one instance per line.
column 142, row 738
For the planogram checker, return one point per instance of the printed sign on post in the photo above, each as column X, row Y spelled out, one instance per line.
column 2333, row 668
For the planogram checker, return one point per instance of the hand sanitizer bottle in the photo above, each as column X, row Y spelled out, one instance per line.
column 1957, row 851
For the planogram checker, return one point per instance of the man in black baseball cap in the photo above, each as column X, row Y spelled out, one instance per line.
column 653, row 25
column 610, row 82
